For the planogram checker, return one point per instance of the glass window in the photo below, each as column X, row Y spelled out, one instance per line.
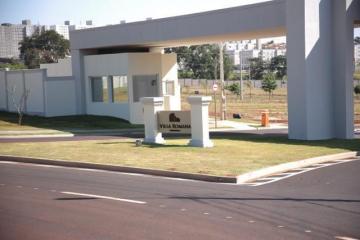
column 119, row 89
column 145, row 86
column 99, row 89
column 169, row 88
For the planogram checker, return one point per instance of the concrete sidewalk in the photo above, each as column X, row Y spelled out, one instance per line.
column 227, row 125
column 65, row 133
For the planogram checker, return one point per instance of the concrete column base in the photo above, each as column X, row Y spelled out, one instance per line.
column 155, row 140
column 200, row 121
column 201, row 143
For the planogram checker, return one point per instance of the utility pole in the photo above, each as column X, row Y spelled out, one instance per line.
column 222, row 83
column 241, row 77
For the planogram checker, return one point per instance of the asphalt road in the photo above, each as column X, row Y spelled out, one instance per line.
column 42, row 202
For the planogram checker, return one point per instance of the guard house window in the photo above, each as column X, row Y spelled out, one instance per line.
column 145, row 86
column 119, row 89
column 99, row 89
column 169, row 88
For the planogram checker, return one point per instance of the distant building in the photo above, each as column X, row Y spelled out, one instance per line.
column 357, row 53
column 12, row 34
column 60, row 29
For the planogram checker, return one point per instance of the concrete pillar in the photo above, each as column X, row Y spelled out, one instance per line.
column 200, row 121
column 151, row 106
column 77, row 61
column 319, row 95
column 344, row 14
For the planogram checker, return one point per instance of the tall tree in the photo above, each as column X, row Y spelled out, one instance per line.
column 357, row 40
column 45, row 47
column 278, row 66
column 201, row 61
column 257, row 68
column 268, row 84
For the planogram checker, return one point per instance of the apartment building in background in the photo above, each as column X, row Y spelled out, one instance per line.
column 12, row 34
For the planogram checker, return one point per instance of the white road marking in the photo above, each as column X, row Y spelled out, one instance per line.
column 183, row 209
column 104, row 197
column 280, row 226
column 308, row 231
column 162, row 206
column 251, row 221
column 228, row 217
column 9, row 162
column 35, row 188
column 303, row 171
column 205, row 213
column 345, row 238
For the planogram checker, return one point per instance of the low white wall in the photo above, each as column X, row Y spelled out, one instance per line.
column 34, row 83
column 60, row 97
column 60, row 69
column 21, row 80
column 14, row 80
column 3, row 98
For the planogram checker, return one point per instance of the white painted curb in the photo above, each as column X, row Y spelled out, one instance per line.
column 37, row 136
column 248, row 177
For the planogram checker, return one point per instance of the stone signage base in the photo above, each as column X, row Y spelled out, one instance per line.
column 177, row 121
column 200, row 143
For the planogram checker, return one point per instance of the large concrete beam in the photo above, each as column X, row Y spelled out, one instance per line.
column 245, row 22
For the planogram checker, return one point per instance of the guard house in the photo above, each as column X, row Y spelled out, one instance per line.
column 114, row 83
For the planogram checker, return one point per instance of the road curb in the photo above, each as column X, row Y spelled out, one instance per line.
column 251, row 176
column 153, row 172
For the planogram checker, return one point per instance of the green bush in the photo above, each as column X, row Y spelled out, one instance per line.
column 235, row 88
column 357, row 89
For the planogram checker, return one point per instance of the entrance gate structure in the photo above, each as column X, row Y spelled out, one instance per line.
column 319, row 53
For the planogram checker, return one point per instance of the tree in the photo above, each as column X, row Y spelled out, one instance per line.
column 278, row 66
column 11, row 64
column 19, row 104
column 250, row 86
column 357, row 40
column 45, row 47
column 357, row 89
column 201, row 62
column 234, row 88
column 268, row 84
column 257, row 68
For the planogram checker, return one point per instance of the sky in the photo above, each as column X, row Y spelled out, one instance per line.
column 103, row 12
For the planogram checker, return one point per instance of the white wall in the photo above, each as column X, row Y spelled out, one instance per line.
column 105, row 65
column 31, row 80
column 3, row 105
column 14, row 80
column 142, row 64
column 34, row 83
column 60, row 69
column 169, row 72
column 60, row 97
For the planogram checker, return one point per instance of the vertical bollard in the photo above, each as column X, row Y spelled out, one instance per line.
column 151, row 106
column 200, row 121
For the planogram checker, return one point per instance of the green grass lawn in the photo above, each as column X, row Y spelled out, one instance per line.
column 8, row 121
column 230, row 156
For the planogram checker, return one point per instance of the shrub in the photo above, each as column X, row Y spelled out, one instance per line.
column 357, row 89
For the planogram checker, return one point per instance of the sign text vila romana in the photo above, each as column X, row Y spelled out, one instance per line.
column 174, row 121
